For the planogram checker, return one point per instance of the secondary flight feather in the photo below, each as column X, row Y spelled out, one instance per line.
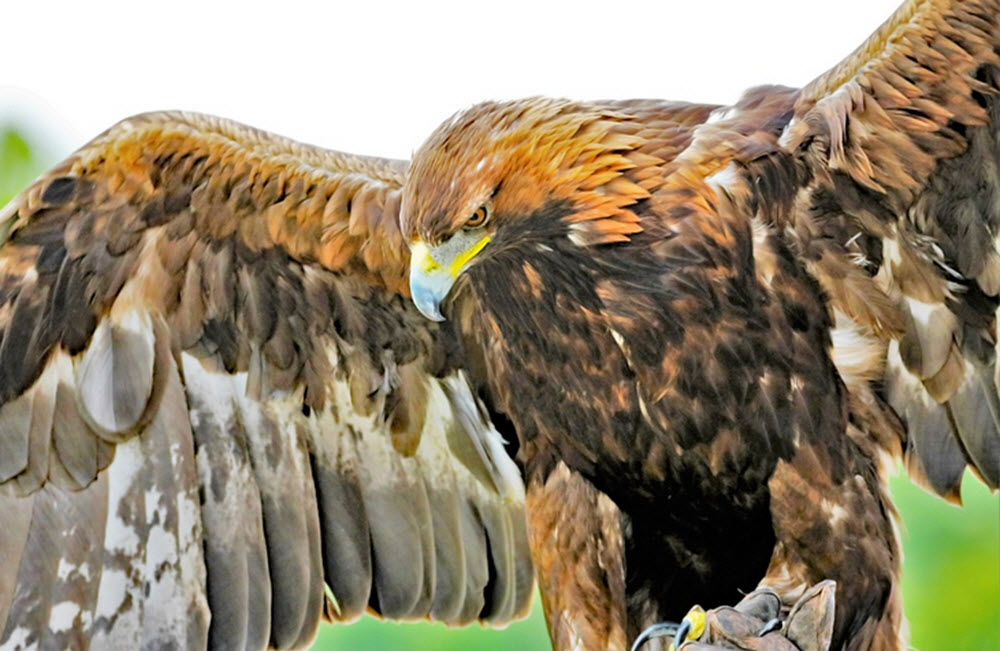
column 218, row 408
column 671, row 353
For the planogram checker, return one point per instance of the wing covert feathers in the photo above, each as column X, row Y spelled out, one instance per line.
column 898, row 149
column 220, row 418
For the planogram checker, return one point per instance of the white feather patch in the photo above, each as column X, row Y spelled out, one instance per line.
column 858, row 355
column 63, row 616
column 725, row 179
column 721, row 114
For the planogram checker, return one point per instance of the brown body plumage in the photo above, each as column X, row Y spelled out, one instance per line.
column 684, row 386
column 701, row 331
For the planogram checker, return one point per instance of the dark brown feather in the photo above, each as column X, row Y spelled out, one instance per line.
column 727, row 323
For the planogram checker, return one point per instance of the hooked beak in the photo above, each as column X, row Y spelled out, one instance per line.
column 429, row 282
column 433, row 270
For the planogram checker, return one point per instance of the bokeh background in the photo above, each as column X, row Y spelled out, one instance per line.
column 375, row 78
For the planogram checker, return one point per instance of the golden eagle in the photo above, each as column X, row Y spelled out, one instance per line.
column 687, row 342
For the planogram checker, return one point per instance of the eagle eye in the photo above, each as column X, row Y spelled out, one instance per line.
column 478, row 218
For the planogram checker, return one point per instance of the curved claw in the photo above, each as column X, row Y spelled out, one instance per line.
column 682, row 633
column 772, row 625
column 663, row 629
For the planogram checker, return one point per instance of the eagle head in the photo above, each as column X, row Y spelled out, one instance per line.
column 497, row 166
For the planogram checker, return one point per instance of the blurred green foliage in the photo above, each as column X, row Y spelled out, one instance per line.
column 372, row 634
column 19, row 163
column 951, row 567
column 951, row 570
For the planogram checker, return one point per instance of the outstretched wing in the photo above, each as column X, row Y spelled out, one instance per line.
column 898, row 148
column 221, row 416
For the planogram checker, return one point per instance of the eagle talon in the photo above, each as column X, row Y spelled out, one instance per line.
column 772, row 625
column 690, row 628
column 663, row 629
column 681, row 636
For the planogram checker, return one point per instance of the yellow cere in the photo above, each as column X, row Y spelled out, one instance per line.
column 421, row 255
column 462, row 258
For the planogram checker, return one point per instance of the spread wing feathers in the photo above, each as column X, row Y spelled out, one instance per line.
column 220, row 419
column 899, row 146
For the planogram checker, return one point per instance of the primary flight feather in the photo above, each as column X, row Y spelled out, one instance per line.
column 671, row 352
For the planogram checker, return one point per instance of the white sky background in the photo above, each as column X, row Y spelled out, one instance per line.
column 376, row 78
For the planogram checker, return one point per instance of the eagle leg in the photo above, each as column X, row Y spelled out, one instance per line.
column 575, row 532
column 832, row 521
